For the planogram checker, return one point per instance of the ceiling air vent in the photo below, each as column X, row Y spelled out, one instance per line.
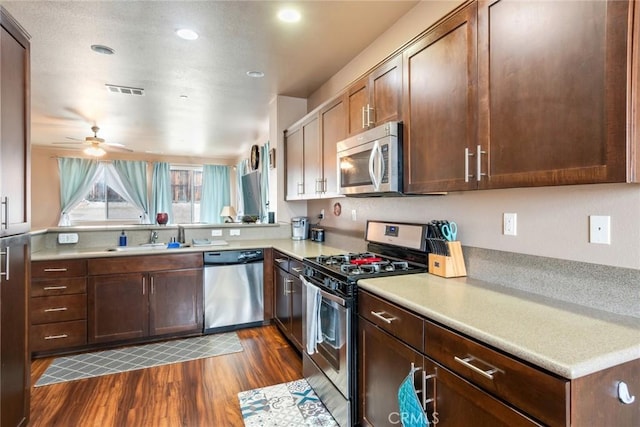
column 125, row 90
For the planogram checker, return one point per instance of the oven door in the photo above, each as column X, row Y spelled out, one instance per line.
column 369, row 168
column 331, row 354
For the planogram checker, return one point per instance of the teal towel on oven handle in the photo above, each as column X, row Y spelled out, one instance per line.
column 411, row 412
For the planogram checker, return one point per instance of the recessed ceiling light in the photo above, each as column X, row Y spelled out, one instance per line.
column 104, row 50
column 187, row 34
column 289, row 15
column 183, row 97
column 256, row 74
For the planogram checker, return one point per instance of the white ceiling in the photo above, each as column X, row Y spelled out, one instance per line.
column 226, row 110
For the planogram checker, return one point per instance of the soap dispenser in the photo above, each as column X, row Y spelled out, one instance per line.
column 123, row 239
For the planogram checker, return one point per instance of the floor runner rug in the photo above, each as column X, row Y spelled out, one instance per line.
column 107, row 362
column 291, row 404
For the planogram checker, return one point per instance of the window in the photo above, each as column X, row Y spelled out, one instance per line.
column 103, row 203
column 186, row 193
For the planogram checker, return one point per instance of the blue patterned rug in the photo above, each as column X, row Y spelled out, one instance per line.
column 291, row 404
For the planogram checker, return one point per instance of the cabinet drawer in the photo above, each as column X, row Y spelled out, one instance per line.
column 58, row 308
column 60, row 335
column 72, row 285
column 58, row 268
column 281, row 260
column 541, row 395
column 393, row 319
column 296, row 267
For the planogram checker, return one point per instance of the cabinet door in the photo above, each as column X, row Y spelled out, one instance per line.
column 383, row 364
column 282, row 300
column 357, row 100
column 461, row 404
column 386, row 92
column 296, row 311
column 118, row 307
column 14, row 146
column 441, row 106
column 552, row 91
column 333, row 119
column 294, row 164
column 14, row 355
column 175, row 302
column 312, row 163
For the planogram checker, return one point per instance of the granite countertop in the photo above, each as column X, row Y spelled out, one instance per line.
column 296, row 248
column 569, row 340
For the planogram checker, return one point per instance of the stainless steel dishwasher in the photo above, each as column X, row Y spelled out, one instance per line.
column 233, row 290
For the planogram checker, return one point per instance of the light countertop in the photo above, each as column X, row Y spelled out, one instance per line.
column 569, row 340
column 296, row 248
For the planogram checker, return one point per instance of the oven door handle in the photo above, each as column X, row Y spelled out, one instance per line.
column 325, row 294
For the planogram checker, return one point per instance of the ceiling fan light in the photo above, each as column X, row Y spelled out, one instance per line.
column 94, row 151
column 186, row 34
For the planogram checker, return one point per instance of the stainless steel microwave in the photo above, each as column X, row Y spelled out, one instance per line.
column 370, row 163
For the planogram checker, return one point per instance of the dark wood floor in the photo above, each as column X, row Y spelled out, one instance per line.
column 197, row 393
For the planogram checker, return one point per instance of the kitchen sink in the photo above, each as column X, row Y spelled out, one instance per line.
column 142, row 247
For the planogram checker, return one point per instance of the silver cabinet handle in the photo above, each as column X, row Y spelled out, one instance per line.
column 287, row 287
column 144, row 286
column 369, row 111
column 467, row 154
column 364, row 123
column 318, row 185
column 5, row 202
column 55, row 337
column 49, row 310
column 300, row 188
column 297, row 269
column 379, row 315
column 153, row 289
column 467, row 363
column 54, row 288
column 479, row 173
column 7, row 254
column 280, row 260
column 624, row 395
column 55, row 270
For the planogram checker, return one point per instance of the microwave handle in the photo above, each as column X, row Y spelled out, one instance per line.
column 375, row 152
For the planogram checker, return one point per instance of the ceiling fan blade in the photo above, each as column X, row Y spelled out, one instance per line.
column 69, row 142
column 116, row 147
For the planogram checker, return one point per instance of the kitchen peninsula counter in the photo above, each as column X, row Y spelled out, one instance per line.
column 567, row 339
column 296, row 248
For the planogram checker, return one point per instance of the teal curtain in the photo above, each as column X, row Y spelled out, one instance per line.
column 76, row 178
column 215, row 193
column 133, row 178
column 264, row 184
column 161, row 191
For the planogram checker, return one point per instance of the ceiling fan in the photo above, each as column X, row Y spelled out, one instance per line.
column 97, row 147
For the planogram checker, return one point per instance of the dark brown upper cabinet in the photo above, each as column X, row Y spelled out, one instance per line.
column 375, row 98
column 552, row 86
column 440, row 105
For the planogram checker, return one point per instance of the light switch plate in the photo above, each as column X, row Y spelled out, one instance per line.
column 600, row 229
column 234, row 232
column 216, row 233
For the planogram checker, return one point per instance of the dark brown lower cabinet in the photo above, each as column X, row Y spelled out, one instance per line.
column 386, row 361
column 288, row 303
column 14, row 352
column 160, row 299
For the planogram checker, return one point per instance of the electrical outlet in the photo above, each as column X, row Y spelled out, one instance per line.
column 354, row 216
column 67, row 238
column 321, row 216
column 600, row 229
column 216, row 233
column 234, row 232
column 510, row 224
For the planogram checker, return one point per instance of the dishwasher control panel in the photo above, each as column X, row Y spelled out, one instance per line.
column 233, row 257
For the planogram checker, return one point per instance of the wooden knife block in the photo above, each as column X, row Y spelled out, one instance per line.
column 448, row 266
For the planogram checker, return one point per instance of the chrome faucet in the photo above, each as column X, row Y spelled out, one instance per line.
column 153, row 238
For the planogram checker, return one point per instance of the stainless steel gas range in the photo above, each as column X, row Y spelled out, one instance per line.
column 330, row 307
